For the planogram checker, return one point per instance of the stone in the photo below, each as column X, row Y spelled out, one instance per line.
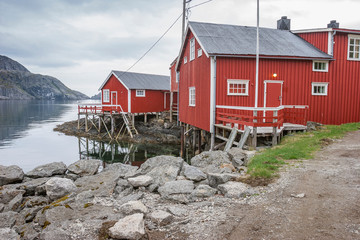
column 8, row 219
column 129, row 227
column 59, row 187
column 31, row 186
column 300, row 195
column 177, row 211
column 15, row 203
column 8, row 194
column 58, row 214
column 177, row 190
column 249, row 155
column 216, row 179
column 132, row 207
column 85, row 167
column 153, row 187
column 10, row 174
column 34, row 201
column 2, row 206
column 193, row 173
column 55, row 234
column 30, row 213
column 48, row 170
column 30, row 232
column 203, row 191
column 161, row 218
column 212, row 162
column 130, row 197
column 8, row 234
column 161, row 168
column 141, row 181
column 121, row 168
column 234, row 189
column 84, row 197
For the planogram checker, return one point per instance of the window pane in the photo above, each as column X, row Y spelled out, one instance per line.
column 357, row 55
column 351, row 41
column 357, row 41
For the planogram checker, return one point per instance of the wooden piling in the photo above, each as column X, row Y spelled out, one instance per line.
column 86, row 123
column 254, row 138
column 199, row 140
column 274, row 136
column 145, row 117
column 78, row 126
column 182, row 140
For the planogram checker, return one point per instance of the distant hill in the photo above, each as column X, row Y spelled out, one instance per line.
column 96, row 96
column 16, row 82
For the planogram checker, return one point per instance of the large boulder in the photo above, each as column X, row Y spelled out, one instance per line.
column 85, row 167
column 240, row 157
column 141, row 181
column 161, row 168
column 9, row 219
column 10, row 174
column 8, row 234
column 177, row 190
column 193, row 173
column 48, row 170
column 216, row 179
column 213, row 162
column 59, row 187
column 130, row 227
column 235, row 189
column 32, row 187
column 121, row 168
column 8, row 194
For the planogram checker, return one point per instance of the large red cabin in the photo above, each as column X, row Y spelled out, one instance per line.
column 309, row 75
column 135, row 92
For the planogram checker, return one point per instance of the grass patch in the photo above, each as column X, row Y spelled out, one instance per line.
column 299, row 146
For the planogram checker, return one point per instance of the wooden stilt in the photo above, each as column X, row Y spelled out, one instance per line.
column 99, row 124
column 212, row 144
column 112, row 125
column 274, row 136
column 145, row 117
column 78, row 126
column 254, row 138
column 194, row 142
column 86, row 123
column 182, row 139
column 244, row 137
column 199, row 140
column 133, row 119
column 231, row 139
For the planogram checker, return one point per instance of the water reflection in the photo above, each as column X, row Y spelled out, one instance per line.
column 124, row 152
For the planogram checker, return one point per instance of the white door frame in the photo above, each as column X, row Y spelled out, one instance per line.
column 265, row 88
column 111, row 96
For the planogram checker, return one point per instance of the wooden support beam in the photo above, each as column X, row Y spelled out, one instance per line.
column 112, row 125
column 274, row 136
column 254, row 138
column 199, row 140
column 182, row 140
column 86, row 123
column 231, row 139
column 99, row 128
column 145, row 117
column 244, row 137
column 194, row 142
column 219, row 145
column 78, row 126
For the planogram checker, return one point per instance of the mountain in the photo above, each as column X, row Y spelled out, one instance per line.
column 16, row 82
column 96, row 96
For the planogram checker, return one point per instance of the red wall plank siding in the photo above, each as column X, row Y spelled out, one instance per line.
column 195, row 73
column 318, row 39
column 174, row 84
column 113, row 84
column 152, row 102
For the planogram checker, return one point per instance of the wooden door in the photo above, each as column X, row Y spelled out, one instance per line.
column 114, row 100
column 273, row 97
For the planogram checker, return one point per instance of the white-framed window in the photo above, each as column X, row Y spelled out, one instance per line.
column 177, row 77
column 192, row 49
column 199, row 52
column 140, row 93
column 238, row 87
column 319, row 88
column 320, row 66
column 185, row 59
column 354, row 47
column 106, row 95
column 192, row 96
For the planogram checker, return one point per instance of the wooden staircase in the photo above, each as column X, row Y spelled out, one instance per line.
column 129, row 124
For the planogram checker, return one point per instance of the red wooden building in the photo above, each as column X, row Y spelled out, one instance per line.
column 308, row 75
column 135, row 92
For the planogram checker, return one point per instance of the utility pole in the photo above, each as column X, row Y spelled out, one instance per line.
column 183, row 21
column 257, row 57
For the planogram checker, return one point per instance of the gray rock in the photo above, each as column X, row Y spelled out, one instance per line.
column 177, row 211
column 161, row 168
column 9, row 219
column 141, row 181
column 238, row 157
column 30, row 231
column 34, row 201
column 234, row 189
column 72, row 176
column 153, row 187
column 10, row 174
column 58, row 214
column 130, row 197
column 30, row 213
column 132, row 207
column 14, row 204
column 248, row 156
column 213, row 162
column 48, row 170
column 55, row 234
column 216, row 179
column 130, row 227
column 8, row 194
column 161, row 218
column 33, row 186
column 2, row 206
column 8, row 234
column 193, row 173
column 59, row 187
column 203, row 191
column 122, row 169
column 84, row 197
column 85, row 167
column 177, row 190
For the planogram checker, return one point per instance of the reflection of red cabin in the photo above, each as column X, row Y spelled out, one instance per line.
column 135, row 92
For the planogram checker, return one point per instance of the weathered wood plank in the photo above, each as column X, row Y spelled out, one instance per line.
column 244, row 137
column 231, row 139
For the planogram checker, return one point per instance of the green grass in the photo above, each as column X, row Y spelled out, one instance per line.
column 299, row 146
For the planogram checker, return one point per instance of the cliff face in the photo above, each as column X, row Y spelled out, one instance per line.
column 16, row 82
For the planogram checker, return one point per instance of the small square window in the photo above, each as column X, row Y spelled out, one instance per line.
column 354, row 47
column 320, row 89
column 106, row 95
column 238, row 87
column 192, row 96
column 320, row 66
column 140, row 93
column 199, row 52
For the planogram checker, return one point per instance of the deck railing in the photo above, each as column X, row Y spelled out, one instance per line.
column 239, row 117
column 98, row 108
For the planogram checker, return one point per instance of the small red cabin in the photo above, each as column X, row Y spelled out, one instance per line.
column 135, row 92
column 304, row 75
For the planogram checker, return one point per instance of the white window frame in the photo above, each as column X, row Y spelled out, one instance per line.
column 319, row 84
column 177, row 77
column 140, row 93
column 192, row 96
column 321, row 70
column 192, row 49
column 199, row 52
column 106, row 95
column 238, row 81
column 185, row 59
column 354, row 37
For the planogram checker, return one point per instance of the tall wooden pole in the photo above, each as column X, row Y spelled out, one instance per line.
column 257, row 57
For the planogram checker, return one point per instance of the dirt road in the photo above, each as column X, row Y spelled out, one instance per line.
column 330, row 208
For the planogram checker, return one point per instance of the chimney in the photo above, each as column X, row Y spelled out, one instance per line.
column 283, row 23
column 333, row 24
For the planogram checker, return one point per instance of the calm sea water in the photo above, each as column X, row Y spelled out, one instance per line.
column 27, row 138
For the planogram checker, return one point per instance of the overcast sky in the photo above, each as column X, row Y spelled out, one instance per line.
column 81, row 41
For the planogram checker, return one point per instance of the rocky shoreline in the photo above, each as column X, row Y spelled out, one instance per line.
column 165, row 198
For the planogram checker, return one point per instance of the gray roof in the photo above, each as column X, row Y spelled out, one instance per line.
column 143, row 81
column 220, row 39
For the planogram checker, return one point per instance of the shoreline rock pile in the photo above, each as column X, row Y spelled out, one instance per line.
column 55, row 201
